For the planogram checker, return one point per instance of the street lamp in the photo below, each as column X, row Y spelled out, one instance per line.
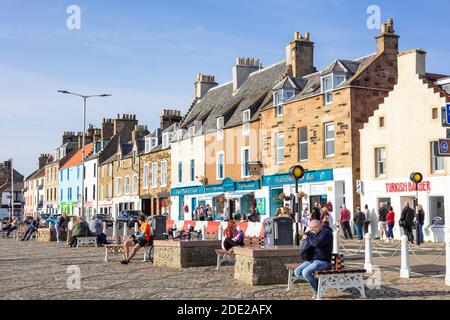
column 297, row 172
column 416, row 178
column 84, row 97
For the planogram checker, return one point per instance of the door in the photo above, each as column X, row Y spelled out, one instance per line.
column 321, row 200
column 194, row 206
column 180, row 208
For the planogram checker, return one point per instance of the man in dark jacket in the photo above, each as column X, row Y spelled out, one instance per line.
column 315, row 212
column 319, row 242
column 359, row 220
column 407, row 219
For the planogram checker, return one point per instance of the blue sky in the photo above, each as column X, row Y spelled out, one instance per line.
column 147, row 54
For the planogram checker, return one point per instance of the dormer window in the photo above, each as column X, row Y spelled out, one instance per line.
column 154, row 143
column 165, row 140
column 280, row 98
column 246, row 122
column 219, row 127
column 147, row 145
column 329, row 83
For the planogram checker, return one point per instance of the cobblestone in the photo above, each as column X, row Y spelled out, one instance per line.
column 37, row 270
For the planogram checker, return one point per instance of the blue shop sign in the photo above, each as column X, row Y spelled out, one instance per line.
column 226, row 186
column 310, row 176
column 186, row 191
column 247, row 185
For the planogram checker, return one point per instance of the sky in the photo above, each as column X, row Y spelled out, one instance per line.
column 147, row 54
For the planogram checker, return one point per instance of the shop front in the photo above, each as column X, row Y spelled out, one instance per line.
column 105, row 207
column 69, row 208
column 433, row 195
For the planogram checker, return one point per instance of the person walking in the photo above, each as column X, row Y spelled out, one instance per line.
column 390, row 219
column 345, row 222
column 382, row 223
column 359, row 220
column 315, row 212
column 407, row 221
column 420, row 223
column 306, row 217
column 325, row 217
column 32, row 228
column 201, row 214
column 59, row 226
column 368, row 221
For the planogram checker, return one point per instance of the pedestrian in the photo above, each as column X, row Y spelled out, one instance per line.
column 70, row 225
column 226, row 213
column 201, row 214
column 325, row 217
column 31, row 230
column 345, row 222
column 315, row 212
column 320, row 241
column 12, row 226
column 253, row 217
column 420, row 223
column 306, row 217
column 59, row 227
column 382, row 223
column 368, row 220
column 231, row 237
column 359, row 220
column 96, row 228
column 407, row 222
column 390, row 219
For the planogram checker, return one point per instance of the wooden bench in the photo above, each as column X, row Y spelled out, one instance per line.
column 85, row 241
column 224, row 255
column 336, row 278
column 118, row 248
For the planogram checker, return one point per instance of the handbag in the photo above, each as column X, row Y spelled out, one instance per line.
column 401, row 223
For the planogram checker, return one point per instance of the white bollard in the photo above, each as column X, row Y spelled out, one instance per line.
column 293, row 235
column 447, row 256
column 404, row 270
column 220, row 232
column 336, row 241
column 368, row 253
column 104, row 227
column 204, row 232
column 136, row 227
column 125, row 229
column 1, row 225
column 114, row 232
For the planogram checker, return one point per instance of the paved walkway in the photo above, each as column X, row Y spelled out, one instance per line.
column 36, row 270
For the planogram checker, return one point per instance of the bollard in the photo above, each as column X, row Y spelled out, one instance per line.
column 336, row 241
column 1, row 225
column 104, row 227
column 125, row 229
column 294, row 235
column 404, row 270
column 220, row 232
column 204, row 232
column 114, row 232
column 368, row 253
column 447, row 256
column 136, row 227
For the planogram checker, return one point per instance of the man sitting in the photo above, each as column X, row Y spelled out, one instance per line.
column 96, row 229
column 319, row 241
column 139, row 240
column 79, row 230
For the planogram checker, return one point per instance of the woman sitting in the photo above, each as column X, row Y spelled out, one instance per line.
column 233, row 236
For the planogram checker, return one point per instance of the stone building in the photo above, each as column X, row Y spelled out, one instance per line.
column 34, row 188
column 155, row 165
column 314, row 120
column 399, row 139
column 5, row 188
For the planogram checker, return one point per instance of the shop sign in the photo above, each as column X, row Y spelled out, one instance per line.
column 318, row 189
column 407, row 187
column 228, row 185
column 186, row 191
column 247, row 185
column 310, row 176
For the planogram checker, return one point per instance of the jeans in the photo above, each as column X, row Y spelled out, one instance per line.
column 421, row 233
column 408, row 230
column 11, row 228
column 359, row 232
column 390, row 233
column 30, row 231
column 345, row 225
column 306, row 271
column 58, row 233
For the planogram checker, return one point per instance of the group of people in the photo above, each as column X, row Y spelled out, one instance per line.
column 206, row 213
column 79, row 227
column 202, row 213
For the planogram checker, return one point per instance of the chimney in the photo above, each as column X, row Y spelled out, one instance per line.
column 124, row 126
column 107, row 128
column 387, row 41
column 69, row 136
column 139, row 132
column 300, row 55
column 242, row 70
column 410, row 63
column 203, row 84
column 43, row 160
column 169, row 117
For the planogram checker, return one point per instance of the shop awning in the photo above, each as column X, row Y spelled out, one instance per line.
column 237, row 194
column 209, row 196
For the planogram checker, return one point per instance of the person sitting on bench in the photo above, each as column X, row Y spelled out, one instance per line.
column 232, row 237
column 12, row 226
column 79, row 230
column 139, row 240
column 96, row 229
column 319, row 241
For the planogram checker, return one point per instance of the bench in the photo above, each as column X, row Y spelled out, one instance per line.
column 86, row 241
column 118, row 248
column 224, row 255
column 336, row 278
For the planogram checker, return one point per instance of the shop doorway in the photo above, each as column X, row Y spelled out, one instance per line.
column 275, row 201
column 410, row 200
column 321, row 200
column 146, row 206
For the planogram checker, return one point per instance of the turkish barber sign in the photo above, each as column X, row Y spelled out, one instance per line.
column 446, row 115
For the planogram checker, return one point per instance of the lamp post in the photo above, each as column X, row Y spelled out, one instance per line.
column 416, row 178
column 297, row 172
column 84, row 97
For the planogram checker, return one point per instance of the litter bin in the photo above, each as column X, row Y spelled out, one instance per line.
column 159, row 227
column 278, row 232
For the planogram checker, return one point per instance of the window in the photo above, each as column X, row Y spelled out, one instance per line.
column 437, row 163
column 93, row 192
column 219, row 126
column 180, row 172
column 327, row 88
column 220, row 165
column 146, row 169
column 78, row 193
column 192, row 170
column 245, row 159
column 381, row 122
column 339, row 80
column 279, row 98
column 119, row 185
column 147, row 145
column 155, row 175
column 329, row 140
column 280, row 148
column 61, row 195
column 165, row 140
column 246, row 122
column 135, row 184
column 154, row 143
column 435, row 113
column 69, row 194
column 303, row 144
column 163, row 173
column 68, row 173
column 127, row 185
column 380, row 162
column 61, row 176
column 95, row 170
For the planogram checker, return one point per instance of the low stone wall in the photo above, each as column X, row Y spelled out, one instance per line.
column 185, row 254
column 48, row 235
column 264, row 266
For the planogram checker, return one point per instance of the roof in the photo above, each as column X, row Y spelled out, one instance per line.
column 76, row 159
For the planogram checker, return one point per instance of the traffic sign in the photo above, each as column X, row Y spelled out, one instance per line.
column 442, row 148
column 446, row 115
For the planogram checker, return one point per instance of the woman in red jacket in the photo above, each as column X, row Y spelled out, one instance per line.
column 390, row 219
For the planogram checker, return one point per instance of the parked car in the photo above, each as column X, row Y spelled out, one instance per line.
column 4, row 217
column 105, row 218
column 44, row 217
column 128, row 216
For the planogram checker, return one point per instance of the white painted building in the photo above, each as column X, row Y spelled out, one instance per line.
column 398, row 140
column 91, row 186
